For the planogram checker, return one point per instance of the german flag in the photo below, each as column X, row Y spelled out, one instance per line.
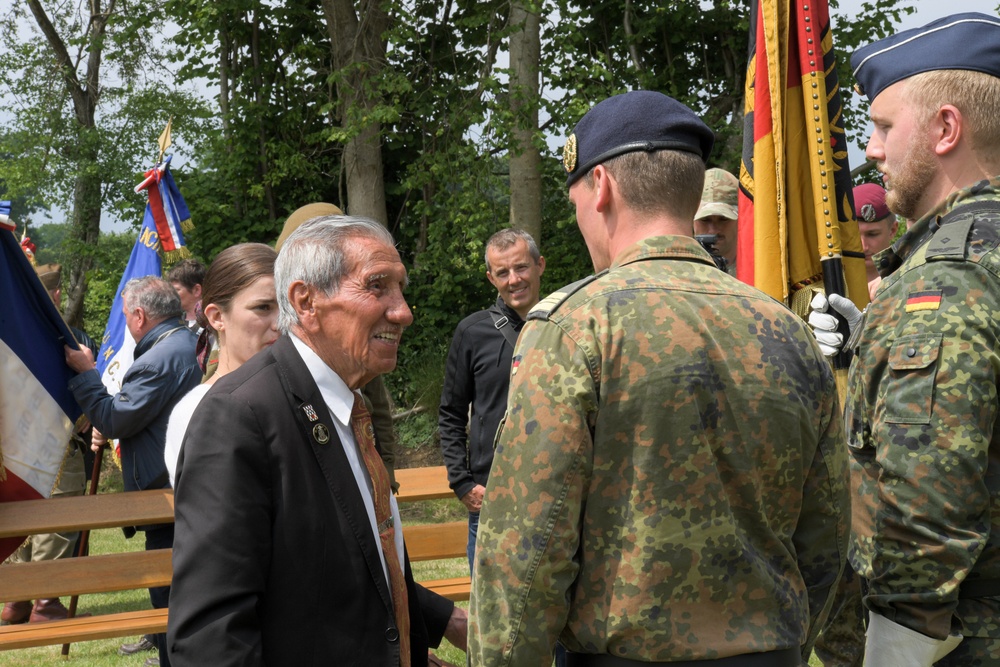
column 796, row 220
column 917, row 301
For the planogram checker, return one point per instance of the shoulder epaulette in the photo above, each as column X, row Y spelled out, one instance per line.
column 949, row 242
column 549, row 304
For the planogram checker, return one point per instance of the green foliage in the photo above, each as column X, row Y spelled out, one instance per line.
column 110, row 259
column 418, row 430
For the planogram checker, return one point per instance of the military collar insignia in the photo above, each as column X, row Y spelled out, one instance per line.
column 569, row 154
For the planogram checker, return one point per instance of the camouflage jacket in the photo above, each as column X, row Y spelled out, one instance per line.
column 670, row 481
column 922, row 424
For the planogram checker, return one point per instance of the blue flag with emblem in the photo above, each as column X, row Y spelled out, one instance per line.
column 117, row 345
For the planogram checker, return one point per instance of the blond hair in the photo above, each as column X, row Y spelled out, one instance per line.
column 975, row 94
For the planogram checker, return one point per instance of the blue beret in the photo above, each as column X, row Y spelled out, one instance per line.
column 641, row 120
column 963, row 41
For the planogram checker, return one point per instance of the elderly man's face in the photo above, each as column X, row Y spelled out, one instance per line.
column 361, row 325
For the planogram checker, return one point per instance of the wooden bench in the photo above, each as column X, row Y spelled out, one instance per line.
column 93, row 574
column 142, row 569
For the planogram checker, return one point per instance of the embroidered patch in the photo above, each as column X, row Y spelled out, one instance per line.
column 923, row 301
column 514, row 364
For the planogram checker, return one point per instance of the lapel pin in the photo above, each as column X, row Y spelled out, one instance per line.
column 310, row 412
column 321, row 433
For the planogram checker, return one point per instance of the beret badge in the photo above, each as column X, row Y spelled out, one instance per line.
column 868, row 213
column 569, row 154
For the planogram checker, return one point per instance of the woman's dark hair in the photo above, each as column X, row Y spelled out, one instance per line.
column 234, row 269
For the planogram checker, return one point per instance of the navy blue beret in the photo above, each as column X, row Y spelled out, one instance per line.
column 963, row 41
column 641, row 120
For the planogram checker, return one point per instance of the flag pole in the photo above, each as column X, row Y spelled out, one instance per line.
column 83, row 544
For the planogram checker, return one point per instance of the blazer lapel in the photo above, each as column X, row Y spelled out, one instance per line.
column 316, row 424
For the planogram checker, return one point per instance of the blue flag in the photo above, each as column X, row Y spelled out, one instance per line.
column 117, row 345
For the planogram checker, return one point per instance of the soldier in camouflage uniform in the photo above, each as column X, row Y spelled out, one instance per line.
column 670, row 481
column 922, row 407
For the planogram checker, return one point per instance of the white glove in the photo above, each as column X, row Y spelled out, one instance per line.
column 889, row 644
column 824, row 325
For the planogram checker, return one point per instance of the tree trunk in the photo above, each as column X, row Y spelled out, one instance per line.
column 356, row 32
column 525, row 159
column 87, row 191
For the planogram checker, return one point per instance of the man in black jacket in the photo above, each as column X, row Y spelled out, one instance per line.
column 478, row 369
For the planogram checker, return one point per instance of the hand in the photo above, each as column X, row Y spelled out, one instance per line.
column 97, row 440
column 824, row 325
column 473, row 500
column 457, row 630
column 80, row 359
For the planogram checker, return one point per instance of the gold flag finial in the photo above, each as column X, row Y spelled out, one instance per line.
column 164, row 140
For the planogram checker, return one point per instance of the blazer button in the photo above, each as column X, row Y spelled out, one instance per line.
column 392, row 634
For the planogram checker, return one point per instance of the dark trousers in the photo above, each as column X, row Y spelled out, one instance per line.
column 161, row 537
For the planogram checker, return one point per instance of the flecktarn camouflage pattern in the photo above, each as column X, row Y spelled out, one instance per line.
column 670, row 482
column 923, row 430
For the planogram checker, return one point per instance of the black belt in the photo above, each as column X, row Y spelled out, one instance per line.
column 788, row 657
column 979, row 588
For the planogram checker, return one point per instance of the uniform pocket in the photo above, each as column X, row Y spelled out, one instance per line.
column 909, row 390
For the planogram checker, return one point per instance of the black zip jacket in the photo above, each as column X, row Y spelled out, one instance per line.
column 477, row 374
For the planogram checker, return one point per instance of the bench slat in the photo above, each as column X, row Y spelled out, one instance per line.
column 105, row 626
column 456, row 589
column 105, row 510
column 423, row 484
column 435, row 541
column 93, row 574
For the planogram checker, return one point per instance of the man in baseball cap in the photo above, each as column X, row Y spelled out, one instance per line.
column 717, row 215
column 922, row 409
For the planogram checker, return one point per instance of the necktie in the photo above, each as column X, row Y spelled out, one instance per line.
column 364, row 433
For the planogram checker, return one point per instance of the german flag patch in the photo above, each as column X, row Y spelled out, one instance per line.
column 514, row 364
column 923, row 301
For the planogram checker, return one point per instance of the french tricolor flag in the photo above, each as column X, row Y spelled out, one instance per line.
column 37, row 411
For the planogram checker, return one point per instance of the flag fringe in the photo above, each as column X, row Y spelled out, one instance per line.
column 176, row 255
column 187, row 226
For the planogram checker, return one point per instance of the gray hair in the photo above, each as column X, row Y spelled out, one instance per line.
column 505, row 238
column 315, row 253
column 155, row 296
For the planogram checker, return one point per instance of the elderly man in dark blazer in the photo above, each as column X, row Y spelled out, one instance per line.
column 288, row 548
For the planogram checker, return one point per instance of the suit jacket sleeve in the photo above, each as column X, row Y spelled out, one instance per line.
column 223, row 539
column 436, row 610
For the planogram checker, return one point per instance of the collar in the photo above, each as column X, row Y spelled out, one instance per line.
column 152, row 336
column 338, row 396
column 923, row 229
column 663, row 247
column 511, row 314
